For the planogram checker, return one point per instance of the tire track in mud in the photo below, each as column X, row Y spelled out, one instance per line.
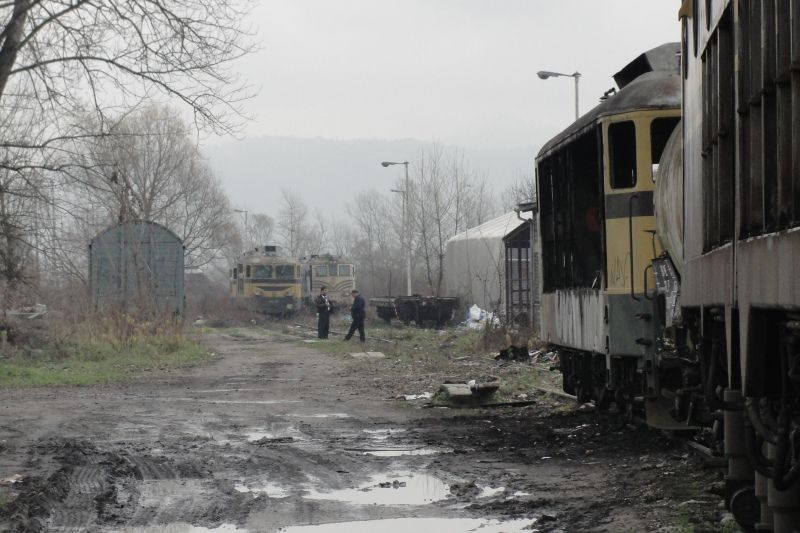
column 88, row 487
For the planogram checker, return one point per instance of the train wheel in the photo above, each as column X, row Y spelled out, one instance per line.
column 746, row 508
column 602, row 398
column 583, row 394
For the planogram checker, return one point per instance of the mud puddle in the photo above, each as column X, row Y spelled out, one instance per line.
column 271, row 490
column 234, row 402
column 400, row 452
column 181, row 527
column 275, row 432
column 401, row 488
column 419, row 525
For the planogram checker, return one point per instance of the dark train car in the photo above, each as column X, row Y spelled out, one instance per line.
column 740, row 282
column 596, row 222
column 691, row 316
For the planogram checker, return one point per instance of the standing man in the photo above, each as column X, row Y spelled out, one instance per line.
column 359, row 312
column 323, row 312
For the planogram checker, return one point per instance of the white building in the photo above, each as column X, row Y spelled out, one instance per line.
column 476, row 268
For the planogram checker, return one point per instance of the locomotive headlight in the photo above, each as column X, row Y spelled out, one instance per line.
column 290, row 306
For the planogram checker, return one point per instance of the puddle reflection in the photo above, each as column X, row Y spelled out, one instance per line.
column 181, row 527
column 419, row 525
column 402, row 452
column 400, row 489
column 270, row 489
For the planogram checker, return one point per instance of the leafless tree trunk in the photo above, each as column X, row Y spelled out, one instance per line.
column 293, row 224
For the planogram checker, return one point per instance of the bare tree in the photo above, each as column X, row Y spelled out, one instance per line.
column 521, row 190
column 293, row 224
column 261, row 229
column 120, row 51
column 148, row 168
column 62, row 61
column 374, row 248
column 341, row 237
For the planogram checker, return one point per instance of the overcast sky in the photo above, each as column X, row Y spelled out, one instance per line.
column 462, row 72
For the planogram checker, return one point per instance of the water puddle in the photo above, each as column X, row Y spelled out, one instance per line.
column 180, row 527
column 488, row 492
column 402, row 488
column 237, row 402
column 401, row 452
column 270, row 489
column 275, row 432
column 320, row 415
column 212, row 391
column 382, row 434
column 419, row 525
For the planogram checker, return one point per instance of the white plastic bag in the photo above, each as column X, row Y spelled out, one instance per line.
column 475, row 313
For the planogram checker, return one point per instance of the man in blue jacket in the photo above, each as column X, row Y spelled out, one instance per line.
column 359, row 312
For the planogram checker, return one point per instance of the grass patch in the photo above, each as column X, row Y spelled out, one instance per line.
column 87, row 362
column 421, row 359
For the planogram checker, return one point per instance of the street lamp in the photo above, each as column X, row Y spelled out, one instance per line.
column 246, row 233
column 544, row 74
column 406, row 236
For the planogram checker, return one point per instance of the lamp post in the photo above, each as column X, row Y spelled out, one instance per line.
column 406, row 238
column 246, row 231
column 544, row 74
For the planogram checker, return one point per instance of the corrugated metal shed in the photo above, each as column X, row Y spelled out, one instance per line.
column 137, row 266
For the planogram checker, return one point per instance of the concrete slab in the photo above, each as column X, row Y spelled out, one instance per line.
column 368, row 355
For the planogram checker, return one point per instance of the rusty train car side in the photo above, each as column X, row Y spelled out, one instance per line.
column 740, row 286
column 681, row 299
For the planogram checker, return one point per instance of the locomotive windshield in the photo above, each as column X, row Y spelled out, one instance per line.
column 321, row 270
column 345, row 270
column 262, row 271
column 284, row 272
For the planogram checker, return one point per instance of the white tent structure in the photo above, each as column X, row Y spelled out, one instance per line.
column 474, row 267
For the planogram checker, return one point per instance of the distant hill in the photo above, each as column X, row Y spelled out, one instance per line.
column 327, row 173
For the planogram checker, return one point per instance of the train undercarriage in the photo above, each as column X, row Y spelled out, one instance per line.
column 755, row 428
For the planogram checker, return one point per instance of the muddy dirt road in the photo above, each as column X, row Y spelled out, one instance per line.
column 274, row 435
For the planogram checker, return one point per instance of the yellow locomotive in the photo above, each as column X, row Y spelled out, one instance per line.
column 269, row 279
column 335, row 273
column 280, row 285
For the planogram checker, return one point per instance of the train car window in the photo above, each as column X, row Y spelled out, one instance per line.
column 793, row 26
column 695, row 25
column 284, row 271
column 784, row 141
column 344, row 270
column 622, row 152
column 321, row 270
column 660, row 131
column 234, row 273
column 262, row 271
column 570, row 203
column 247, row 271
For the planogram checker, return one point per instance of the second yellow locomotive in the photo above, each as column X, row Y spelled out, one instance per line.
column 280, row 285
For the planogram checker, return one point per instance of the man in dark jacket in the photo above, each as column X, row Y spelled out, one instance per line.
column 359, row 312
column 324, row 313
